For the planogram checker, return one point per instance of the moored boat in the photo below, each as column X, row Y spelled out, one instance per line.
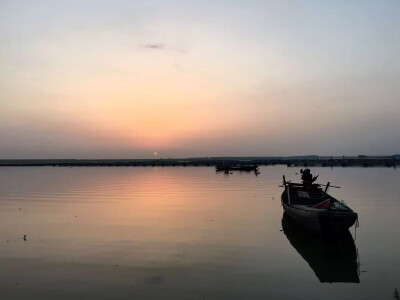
column 248, row 167
column 309, row 203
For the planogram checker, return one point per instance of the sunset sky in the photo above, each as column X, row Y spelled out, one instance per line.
column 126, row 79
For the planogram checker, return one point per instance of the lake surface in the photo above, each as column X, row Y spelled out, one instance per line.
column 183, row 233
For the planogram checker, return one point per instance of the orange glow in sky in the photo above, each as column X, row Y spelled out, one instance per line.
column 104, row 80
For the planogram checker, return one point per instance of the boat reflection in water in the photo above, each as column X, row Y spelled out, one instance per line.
column 331, row 255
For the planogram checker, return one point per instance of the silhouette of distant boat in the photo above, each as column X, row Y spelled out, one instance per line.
column 228, row 167
column 315, row 206
column 333, row 257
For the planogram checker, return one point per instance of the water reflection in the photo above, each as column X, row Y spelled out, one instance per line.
column 332, row 256
column 183, row 233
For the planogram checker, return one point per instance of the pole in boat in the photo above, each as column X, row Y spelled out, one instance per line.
column 286, row 188
column 327, row 187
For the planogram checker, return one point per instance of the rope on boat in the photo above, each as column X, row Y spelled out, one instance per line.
column 355, row 228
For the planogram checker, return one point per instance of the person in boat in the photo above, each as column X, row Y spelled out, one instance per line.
column 307, row 178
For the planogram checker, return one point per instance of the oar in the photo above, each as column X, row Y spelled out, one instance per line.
column 338, row 187
column 328, row 186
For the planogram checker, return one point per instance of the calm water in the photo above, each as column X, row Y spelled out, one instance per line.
column 183, row 233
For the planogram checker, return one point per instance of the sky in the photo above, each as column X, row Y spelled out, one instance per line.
column 126, row 79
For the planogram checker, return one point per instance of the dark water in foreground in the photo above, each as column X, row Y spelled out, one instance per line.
column 186, row 233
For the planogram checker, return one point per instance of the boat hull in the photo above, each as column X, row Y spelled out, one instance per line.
column 325, row 218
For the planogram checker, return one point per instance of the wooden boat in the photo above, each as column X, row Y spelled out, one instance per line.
column 332, row 257
column 314, row 206
column 228, row 168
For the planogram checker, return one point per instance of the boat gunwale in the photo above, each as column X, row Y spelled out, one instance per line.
column 328, row 211
column 321, row 211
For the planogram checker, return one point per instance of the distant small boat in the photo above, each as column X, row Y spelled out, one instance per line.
column 313, row 205
column 228, row 168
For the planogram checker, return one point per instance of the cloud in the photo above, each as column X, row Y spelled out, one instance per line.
column 161, row 46
column 157, row 46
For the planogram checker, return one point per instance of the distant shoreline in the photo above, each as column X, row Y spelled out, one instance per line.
column 344, row 161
